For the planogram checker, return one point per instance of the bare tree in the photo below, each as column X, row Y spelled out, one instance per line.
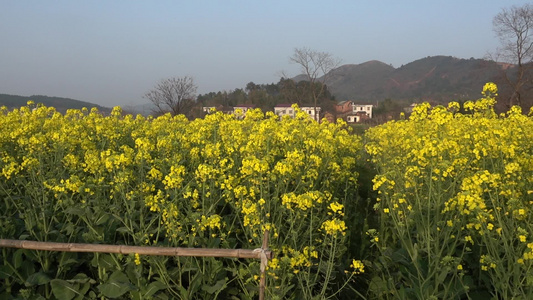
column 514, row 28
column 317, row 67
column 174, row 95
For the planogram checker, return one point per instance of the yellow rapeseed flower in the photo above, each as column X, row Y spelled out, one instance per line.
column 358, row 266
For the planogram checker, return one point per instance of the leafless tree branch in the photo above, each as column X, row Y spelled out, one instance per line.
column 174, row 95
column 514, row 28
column 317, row 67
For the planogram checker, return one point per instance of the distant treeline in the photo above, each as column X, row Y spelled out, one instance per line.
column 267, row 96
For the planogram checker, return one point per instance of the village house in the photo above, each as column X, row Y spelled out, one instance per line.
column 344, row 107
column 208, row 109
column 409, row 109
column 310, row 110
column 363, row 108
column 287, row 110
column 284, row 110
column 280, row 110
column 357, row 117
column 243, row 107
column 353, row 119
column 360, row 112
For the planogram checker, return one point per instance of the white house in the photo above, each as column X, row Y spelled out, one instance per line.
column 310, row 110
column 366, row 108
column 353, row 119
column 243, row 107
column 359, row 113
column 208, row 109
column 410, row 108
column 284, row 110
column 287, row 110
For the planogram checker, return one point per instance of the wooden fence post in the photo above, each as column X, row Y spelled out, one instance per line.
column 264, row 263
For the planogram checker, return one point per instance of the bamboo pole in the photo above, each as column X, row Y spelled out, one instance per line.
column 264, row 262
column 260, row 253
column 141, row 250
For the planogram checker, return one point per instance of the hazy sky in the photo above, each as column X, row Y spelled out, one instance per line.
column 113, row 52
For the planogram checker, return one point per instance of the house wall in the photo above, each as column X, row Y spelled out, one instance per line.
column 344, row 107
column 363, row 108
column 283, row 111
column 208, row 109
column 310, row 110
column 352, row 119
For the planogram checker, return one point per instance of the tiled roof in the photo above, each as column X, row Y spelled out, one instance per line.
column 283, row 105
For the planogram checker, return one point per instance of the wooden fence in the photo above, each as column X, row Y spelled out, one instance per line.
column 263, row 253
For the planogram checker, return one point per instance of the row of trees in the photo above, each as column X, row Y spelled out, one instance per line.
column 266, row 96
column 513, row 26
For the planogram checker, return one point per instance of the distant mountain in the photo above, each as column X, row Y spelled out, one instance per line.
column 60, row 104
column 432, row 78
column 365, row 80
column 436, row 78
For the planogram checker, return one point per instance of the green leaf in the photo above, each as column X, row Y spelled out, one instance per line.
column 5, row 272
column 81, row 278
column 183, row 292
column 38, row 278
column 69, row 229
column 24, row 236
column 74, row 210
column 17, row 258
column 161, row 296
column 118, row 285
column 153, row 288
column 83, row 290
column 123, row 230
column 102, row 219
column 63, row 290
column 134, row 274
column 196, row 283
column 214, row 243
column 215, row 288
column 119, row 276
column 69, row 262
column 114, row 289
column 27, row 268
column 106, row 261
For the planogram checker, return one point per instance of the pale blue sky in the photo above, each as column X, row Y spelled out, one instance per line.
column 112, row 52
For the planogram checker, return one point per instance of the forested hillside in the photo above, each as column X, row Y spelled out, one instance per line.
column 60, row 104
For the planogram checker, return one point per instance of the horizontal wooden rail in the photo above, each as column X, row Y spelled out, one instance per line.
column 141, row 250
column 260, row 253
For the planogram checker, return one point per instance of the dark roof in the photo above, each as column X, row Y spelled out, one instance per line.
column 343, row 102
column 283, row 105
column 245, row 105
